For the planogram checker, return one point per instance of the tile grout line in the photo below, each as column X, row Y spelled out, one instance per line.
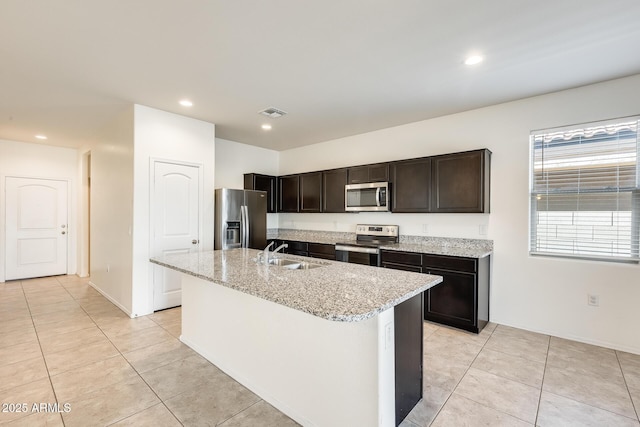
column 461, row 378
column 544, row 373
column 163, row 402
column 137, row 373
column 482, row 404
column 108, row 339
column 624, row 378
column 44, row 359
column 239, row 412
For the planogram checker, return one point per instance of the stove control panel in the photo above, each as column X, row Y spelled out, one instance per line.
column 377, row 230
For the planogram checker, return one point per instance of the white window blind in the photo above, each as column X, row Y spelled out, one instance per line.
column 585, row 197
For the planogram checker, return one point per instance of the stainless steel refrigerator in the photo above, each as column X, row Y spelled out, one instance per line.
column 241, row 219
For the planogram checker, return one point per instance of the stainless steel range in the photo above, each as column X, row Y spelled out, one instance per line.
column 366, row 248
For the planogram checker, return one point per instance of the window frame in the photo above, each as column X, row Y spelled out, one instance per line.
column 634, row 191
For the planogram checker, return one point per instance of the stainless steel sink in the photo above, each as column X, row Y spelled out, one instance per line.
column 303, row 265
column 282, row 262
column 293, row 264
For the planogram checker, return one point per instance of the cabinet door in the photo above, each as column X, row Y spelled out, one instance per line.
column 359, row 174
column 333, row 183
column 322, row 250
column 310, row 192
column 288, row 193
column 454, row 301
column 411, row 185
column 379, row 172
column 254, row 181
column 461, row 182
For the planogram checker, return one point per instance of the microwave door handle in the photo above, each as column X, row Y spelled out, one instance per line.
column 378, row 196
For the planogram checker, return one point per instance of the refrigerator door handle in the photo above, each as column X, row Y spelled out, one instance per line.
column 242, row 221
column 245, row 226
column 248, row 232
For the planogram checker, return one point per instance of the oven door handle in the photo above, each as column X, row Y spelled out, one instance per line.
column 357, row 249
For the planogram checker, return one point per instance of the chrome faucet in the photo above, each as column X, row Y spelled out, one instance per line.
column 282, row 246
column 265, row 253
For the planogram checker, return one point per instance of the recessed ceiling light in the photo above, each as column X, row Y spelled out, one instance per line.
column 266, row 126
column 186, row 103
column 41, row 136
column 473, row 60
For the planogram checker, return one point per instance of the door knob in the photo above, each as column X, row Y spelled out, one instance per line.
column 195, row 242
column 64, row 232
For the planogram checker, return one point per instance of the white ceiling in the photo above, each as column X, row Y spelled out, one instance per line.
column 338, row 67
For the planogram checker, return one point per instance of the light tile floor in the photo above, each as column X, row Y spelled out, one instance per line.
column 61, row 341
column 511, row 377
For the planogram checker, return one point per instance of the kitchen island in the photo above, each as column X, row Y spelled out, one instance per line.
column 340, row 344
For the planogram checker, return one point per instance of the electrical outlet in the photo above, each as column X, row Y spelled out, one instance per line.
column 108, row 268
column 482, row 230
column 388, row 336
column 425, row 228
column 593, row 300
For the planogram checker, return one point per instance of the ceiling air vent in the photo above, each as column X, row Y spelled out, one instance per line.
column 274, row 113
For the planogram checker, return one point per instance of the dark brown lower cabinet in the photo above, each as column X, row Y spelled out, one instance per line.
column 462, row 299
column 408, row 326
column 296, row 248
column 449, row 302
column 322, row 250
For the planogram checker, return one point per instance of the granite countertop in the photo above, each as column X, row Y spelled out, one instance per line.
column 469, row 248
column 469, row 251
column 336, row 291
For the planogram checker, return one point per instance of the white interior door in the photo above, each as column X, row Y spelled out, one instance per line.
column 36, row 227
column 175, row 209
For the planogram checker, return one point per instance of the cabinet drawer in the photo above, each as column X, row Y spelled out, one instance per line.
column 296, row 246
column 404, row 267
column 322, row 248
column 331, row 256
column 450, row 263
column 407, row 258
column 300, row 253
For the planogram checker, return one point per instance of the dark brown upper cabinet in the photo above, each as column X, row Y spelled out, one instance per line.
column 460, row 182
column 411, row 185
column 333, row 182
column 378, row 172
column 255, row 181
column 289, row 193
column 310, row 192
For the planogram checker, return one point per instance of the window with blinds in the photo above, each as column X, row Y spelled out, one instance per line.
column 585, row 191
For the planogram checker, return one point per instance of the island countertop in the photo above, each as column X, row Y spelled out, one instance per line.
column 336, row 291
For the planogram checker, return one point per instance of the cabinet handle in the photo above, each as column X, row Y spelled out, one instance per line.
column 195, row 242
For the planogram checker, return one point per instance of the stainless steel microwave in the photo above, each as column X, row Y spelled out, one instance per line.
column 370, row 197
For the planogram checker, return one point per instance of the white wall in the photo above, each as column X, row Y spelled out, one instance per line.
column 166, row 136
column 112, row 210
column 534, row 293
column 234, row 159
column 40, row 161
